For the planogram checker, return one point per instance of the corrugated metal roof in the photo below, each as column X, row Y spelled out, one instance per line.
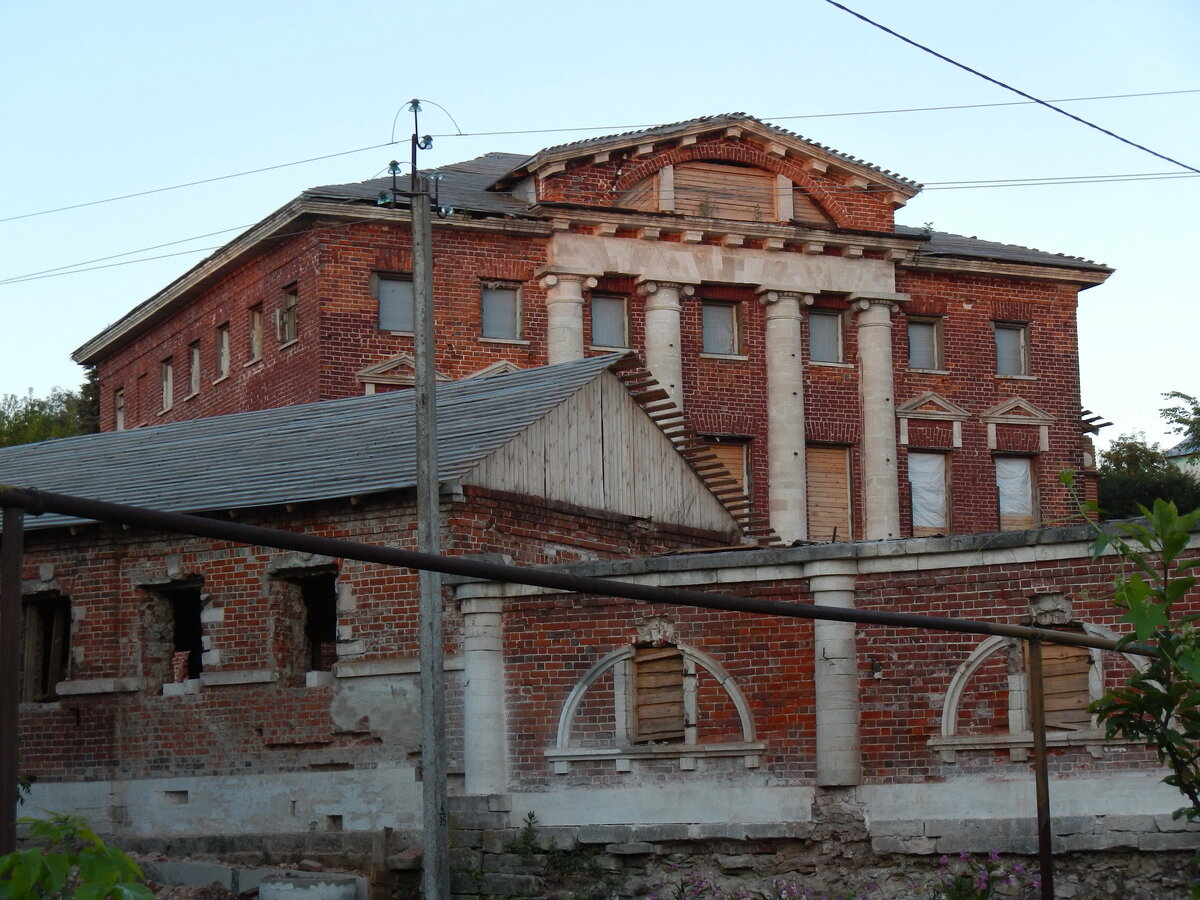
column 316, row 451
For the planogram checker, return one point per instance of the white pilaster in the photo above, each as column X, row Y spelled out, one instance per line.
column 881, row 488
column 564, row 315
column 485, row 750
column 663, row 353
column 785, row 413
column 835, row 681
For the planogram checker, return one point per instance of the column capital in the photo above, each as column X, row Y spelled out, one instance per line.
column 557, row 276
column 648, row 286
column 770, row 295
column 862, row 301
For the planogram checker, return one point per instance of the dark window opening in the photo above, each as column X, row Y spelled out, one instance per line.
column 187, row 633
column 46, row 653
column 319, row 596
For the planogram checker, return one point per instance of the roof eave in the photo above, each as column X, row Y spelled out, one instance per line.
column 1064, row 272
column 539, row 163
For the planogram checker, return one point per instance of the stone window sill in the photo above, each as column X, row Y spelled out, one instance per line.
column 623, row 756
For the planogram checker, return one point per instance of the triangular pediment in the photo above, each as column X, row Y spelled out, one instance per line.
column 399, row 369
column 931, row 406
column 500, row 367
column 771, row 139
column 1017, row 411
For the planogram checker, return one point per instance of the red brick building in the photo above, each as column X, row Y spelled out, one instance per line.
column 864, row 380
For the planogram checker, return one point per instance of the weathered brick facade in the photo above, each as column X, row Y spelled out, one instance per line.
column 606, row 216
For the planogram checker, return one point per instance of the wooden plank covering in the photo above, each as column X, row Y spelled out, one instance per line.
column 724, row 191
column 642, row 196
column 829, row 494
column 732, row 455
column 805, row 209
column 657, row 713
column 1065, row 686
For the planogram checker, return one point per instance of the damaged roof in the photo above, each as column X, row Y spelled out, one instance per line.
column 293, row 454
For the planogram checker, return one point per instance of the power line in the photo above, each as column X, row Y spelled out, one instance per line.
column 175, row 187
column 1009, row 87
column 75, row 268
column 576, row 129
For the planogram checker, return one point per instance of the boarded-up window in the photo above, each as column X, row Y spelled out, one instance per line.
column 643, row 195
column 930, row 494
column 733, row 455
column 1014, row 485
column 724, row 191
column 805, row 209
column 1065, row 686
column 46, row 648
column 657, row 714
column 829, row 494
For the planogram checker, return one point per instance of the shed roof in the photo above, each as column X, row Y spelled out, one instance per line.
column 315, row 451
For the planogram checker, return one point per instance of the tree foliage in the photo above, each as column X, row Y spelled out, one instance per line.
column 70, row 862
column 1134, row 473
column 1159, row 704
column 1184, row 415
column 29, row 419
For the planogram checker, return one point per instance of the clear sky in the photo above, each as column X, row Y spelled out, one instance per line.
column 103, row 100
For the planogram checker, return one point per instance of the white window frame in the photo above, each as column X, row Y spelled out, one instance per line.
column 1016, row 483
column 513, row 332
column 601, row 299
column 1021, row 332
column 727, row 309
column 390, row 310
column 254, row 334
column 830, row 315
column 289, row 316
column 929, row 492
column 119, row 409
column 193, row 368
column 166, row 376
column 222, row 351
column 937, row 348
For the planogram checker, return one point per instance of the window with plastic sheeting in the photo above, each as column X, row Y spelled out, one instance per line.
column 928, row 478
column 1016, row 493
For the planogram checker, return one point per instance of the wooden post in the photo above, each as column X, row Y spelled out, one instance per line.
column 11, row 554
column 1041, row 777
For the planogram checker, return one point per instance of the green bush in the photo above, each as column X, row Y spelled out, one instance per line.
column 70, row 862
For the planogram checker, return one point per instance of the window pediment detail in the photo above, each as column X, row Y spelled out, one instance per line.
column 1016, row 411
column 931, row 407
column 500, row 367
column 398, row 371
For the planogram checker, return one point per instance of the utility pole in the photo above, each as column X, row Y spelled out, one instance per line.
column 11, row 556
column 435, row 866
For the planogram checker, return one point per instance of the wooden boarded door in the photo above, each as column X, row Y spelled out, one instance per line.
column 829, row 494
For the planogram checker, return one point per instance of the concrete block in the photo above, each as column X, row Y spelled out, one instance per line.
column 716, row 830
column 198, row 874
column 498, row 840
column 1128, row 823
column 897, row 844
column 1109, row 840
column 766, row 830
column 740, row 863
column 605, row 834
column 1074, row 825
column 1179, row 840
column 557, row 837
column 1168, row 822
column 630, row 848
column 474, row 819
column 660, row 833
column 898, row 829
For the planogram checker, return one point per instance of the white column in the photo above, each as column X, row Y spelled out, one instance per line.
column 663, row 352
column 485, row 750
column 881, row 488
column 785, row 414
column 835, row 679
column 564, row 315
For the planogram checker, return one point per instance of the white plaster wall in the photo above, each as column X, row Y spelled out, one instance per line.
column 1133, row 794
column 367, row 800
column 702, row 804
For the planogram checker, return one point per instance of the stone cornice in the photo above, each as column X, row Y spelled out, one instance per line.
column 1084, row 277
